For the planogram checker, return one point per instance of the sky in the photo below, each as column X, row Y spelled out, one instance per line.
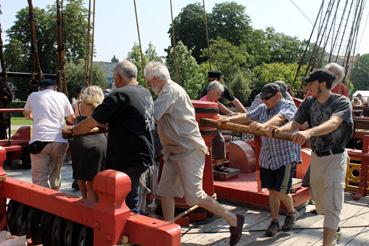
column 116, row 33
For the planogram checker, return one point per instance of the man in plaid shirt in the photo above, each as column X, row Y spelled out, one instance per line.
column 278, row 158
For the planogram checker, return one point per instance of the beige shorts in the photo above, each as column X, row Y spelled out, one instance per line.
column 327, row 182
column 46, row 165
column 182, row 176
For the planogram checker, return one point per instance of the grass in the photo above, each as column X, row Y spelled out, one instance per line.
column 20, row 121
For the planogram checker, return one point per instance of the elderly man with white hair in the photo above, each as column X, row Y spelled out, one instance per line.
column 338, row 86
column 183, row 150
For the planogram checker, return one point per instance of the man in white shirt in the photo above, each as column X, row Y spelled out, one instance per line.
column 48, row 109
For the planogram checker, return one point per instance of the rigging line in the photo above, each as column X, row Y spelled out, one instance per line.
column 92, row 40
column 87, row 55
column 178, row 79
column 207, row 33
column 302, row 12
column 139, row 41
column 362, row 33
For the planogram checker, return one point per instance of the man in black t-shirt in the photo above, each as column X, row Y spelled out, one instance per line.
column 330, row 122
column 128, row 110
column 216, row 75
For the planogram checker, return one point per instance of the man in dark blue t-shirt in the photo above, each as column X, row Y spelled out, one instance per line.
column 129, row 112
column 330, row 122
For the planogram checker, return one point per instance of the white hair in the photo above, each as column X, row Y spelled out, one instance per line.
column 126, row 69
column 215, row 85
column 156, row 70
column 337, row 70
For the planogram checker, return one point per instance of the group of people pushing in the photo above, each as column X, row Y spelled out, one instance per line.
column 132, row 117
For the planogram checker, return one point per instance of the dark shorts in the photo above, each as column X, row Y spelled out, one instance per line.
column 279, row 180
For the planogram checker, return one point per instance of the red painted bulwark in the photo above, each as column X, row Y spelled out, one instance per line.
column 110, row 218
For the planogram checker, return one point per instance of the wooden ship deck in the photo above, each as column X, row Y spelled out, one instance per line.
column 214, row 231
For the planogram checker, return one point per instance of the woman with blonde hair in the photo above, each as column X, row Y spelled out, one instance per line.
column 88, row 152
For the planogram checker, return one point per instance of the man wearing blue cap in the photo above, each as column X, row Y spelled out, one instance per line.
column 48, row 109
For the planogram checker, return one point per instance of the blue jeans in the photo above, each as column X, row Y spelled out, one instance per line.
column 134, row 172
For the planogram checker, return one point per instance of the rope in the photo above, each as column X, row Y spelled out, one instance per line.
column 139, row 40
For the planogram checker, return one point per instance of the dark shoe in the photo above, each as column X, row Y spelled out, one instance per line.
column 272, row 229
column 75, row 185
column 236, row 231
column 289, row 221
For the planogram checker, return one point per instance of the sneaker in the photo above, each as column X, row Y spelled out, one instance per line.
column 236, row 231
column 289, row 221
column 272, row 229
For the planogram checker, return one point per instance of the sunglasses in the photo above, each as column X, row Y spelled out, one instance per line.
column 267, row 98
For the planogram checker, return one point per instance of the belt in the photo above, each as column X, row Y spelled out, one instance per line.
column 328, row 152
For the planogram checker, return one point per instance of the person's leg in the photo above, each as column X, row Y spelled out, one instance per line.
column 213, row 206
column 328, row 236
column 90, row 192
column 57, row 153
column 274, row 204
column 190, row 170
column 287, row 201
column 133, row 199
column 317, row 182
column 169, row 187
column 168, row 208
column 284, row 186
column 82, row 188
column 39, row 169
column 334, row 195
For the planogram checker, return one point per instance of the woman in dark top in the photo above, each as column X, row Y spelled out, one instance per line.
column 88, row 152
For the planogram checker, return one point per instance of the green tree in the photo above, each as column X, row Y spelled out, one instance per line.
column 283, row 48
column 190, row 29
column 18, row 53
column 266, row 73
column 114, row 59
column 135, row 56
column 240, row 87
column 360, row 73
column 189, row 73
column 229, row 21
column 227, row 58
column 257, row 47
column 74, row 74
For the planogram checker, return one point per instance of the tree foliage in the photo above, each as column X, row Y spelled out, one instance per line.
column 360, row 73
column 266, row 73
column 240, row 86
column 75, row 74
column 18, row 49
column 135, row 56
column 190, row 29
column 189, row 74
column 229, row 21
column 227, row 58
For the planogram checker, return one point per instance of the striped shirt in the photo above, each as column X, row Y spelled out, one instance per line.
column 276, row 153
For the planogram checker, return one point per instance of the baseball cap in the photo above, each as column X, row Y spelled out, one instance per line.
column 269, row 90
column 321, row 75
column 214, row 74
